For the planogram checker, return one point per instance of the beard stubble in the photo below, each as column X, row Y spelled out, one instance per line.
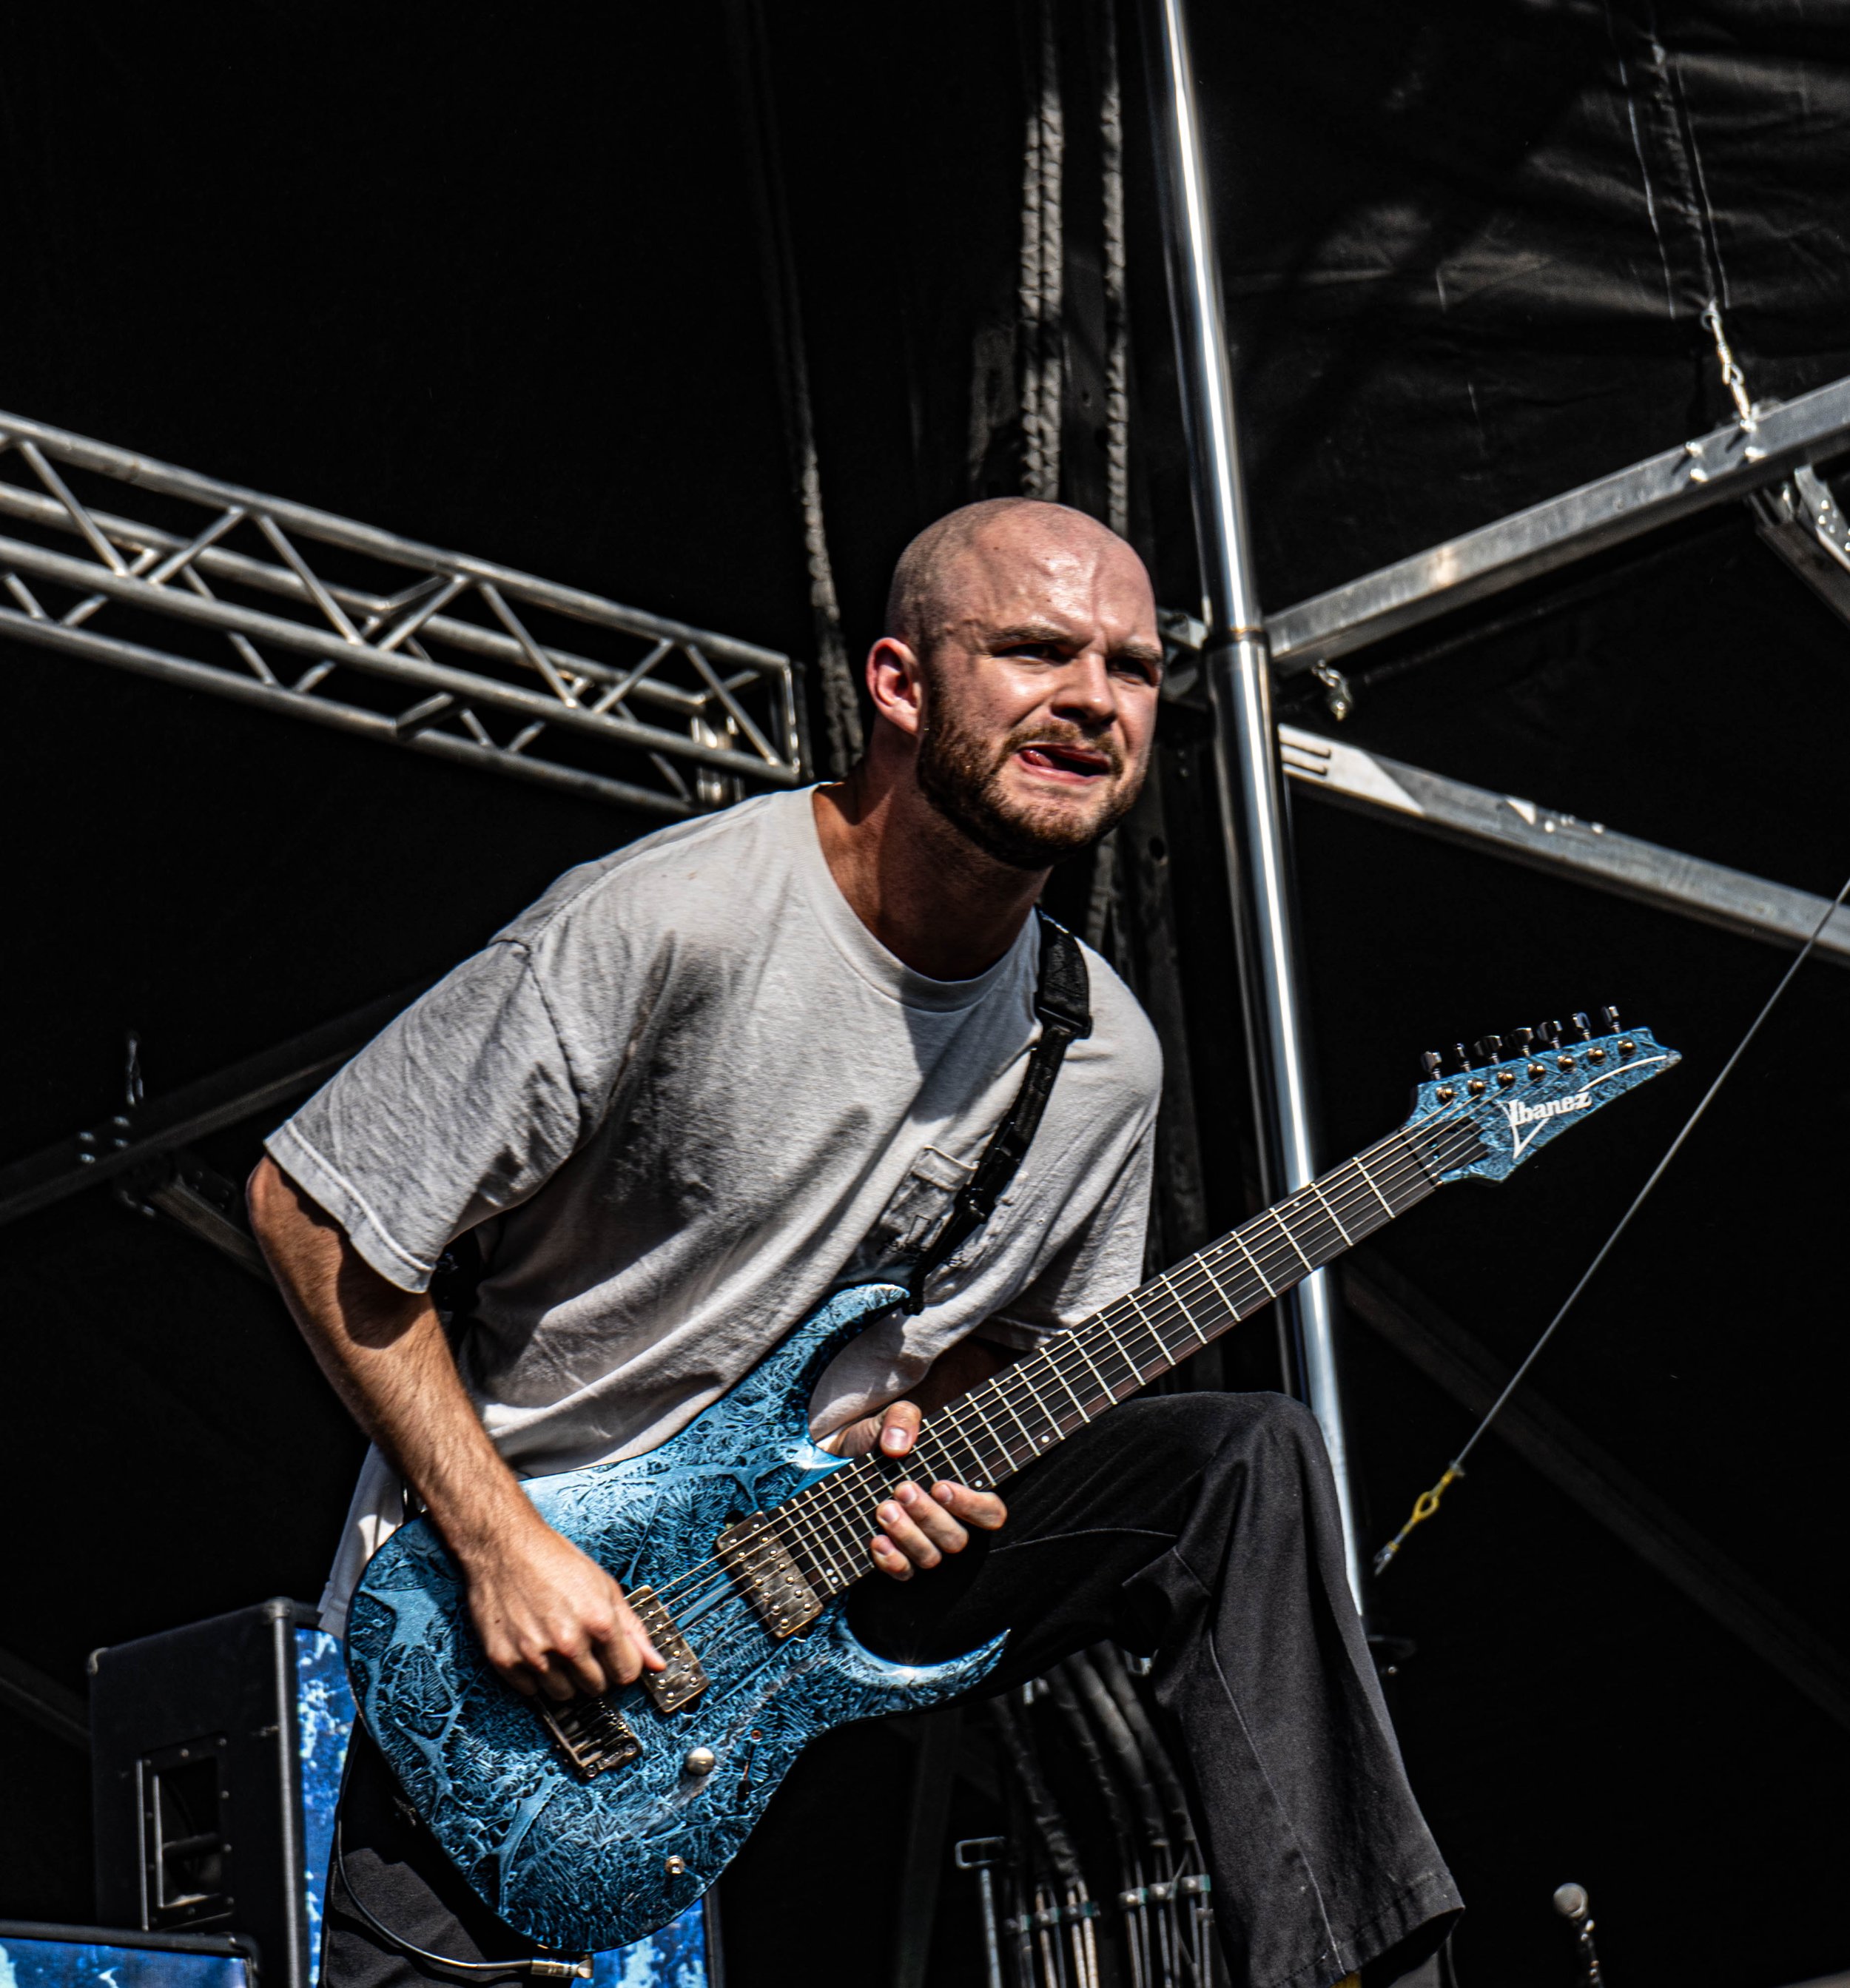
column 960, row 774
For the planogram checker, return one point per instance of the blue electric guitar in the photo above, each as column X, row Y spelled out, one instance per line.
column 587, row 1825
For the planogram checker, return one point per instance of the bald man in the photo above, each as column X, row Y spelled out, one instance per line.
column 706, row 1078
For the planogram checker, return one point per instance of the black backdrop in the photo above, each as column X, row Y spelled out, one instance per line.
column 488, row 276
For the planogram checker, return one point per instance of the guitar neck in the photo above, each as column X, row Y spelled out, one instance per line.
column 985, row 1437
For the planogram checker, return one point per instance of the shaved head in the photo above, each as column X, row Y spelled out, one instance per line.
column 1015, row 687
column 932, row 583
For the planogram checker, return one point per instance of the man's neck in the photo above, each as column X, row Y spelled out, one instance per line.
column 946, row 907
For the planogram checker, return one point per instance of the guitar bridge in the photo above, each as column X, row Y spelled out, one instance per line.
column 772, row 1582
column 683, row 1680
column 591, row 1733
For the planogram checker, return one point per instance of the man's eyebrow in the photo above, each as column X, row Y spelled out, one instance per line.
column 1152, row 653
column 1031, row 631
column 1136, row 651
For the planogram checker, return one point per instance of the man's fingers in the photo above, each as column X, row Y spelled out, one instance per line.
column 984, row 1509
column 900, row 1428
column 889, row 1559
column 922, row 1533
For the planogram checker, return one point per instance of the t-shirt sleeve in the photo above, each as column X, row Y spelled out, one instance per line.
column 463, row 1107
column 1101, row 1260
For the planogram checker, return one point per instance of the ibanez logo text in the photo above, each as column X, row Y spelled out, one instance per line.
column 1520, row 1114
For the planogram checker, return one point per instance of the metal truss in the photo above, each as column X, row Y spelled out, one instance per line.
column 381, row 637
column 1779, row 444
column 1544, row 839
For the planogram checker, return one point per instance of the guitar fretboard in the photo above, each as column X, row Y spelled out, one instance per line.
column 987, row 1435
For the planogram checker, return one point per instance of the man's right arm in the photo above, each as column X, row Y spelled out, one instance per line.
column 549, row 1618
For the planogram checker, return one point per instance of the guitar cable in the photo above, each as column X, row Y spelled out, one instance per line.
column 538, row 1966
column 1427, row 1504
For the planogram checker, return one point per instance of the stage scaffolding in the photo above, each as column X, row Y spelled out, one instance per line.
column 502, row 671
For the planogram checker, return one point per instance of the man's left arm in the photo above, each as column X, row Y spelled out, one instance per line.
column 922, row 1523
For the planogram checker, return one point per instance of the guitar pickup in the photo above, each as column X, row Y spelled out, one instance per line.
column 683, row 1680
column 772, row 1582
column 591, row 1733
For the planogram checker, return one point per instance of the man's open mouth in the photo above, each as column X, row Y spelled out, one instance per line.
column 1044, row 756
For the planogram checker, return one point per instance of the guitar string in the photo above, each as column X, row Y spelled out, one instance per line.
column 734, row 1604
column 837, row 1505
column 1154, row 1308
column 840, row 1503
column 1167, row 1304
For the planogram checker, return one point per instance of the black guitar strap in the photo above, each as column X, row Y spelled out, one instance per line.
column 1063, row 1005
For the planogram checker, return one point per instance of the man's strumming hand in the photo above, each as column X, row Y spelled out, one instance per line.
column 919, row 1524
column 550, row 1619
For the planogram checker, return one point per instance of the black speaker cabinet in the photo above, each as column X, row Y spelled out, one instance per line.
column 212, row 1798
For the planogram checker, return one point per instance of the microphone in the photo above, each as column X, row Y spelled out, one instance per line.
column 1571, row 1902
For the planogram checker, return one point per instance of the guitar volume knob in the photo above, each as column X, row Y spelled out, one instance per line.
column 701, row 1760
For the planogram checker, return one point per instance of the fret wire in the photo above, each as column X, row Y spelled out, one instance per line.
column 1239, row 1242
column 1188, row 1317
column 814, row 1547
column 1284, row 1231
column 1327, row 1248
column 1035, row 1444
column 1136, row 1371
column 1097, row 1328
column 1348, row 1240
column 1002, row 1450
column 842, row 1498
column 1130, row 1299
column 1053, row 1367
column 953, row 1467
column 1026, row 1370
column 791, row 1525
column 1002, row 1400
column 1207, row 1270
column 1137, row 1364
column 991, row 1469
column 1079, row 1341
column 1360, row 1166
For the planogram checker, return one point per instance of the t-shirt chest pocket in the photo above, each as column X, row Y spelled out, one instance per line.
column 918, row 1204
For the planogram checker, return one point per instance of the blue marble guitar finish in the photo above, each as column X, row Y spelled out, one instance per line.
column 581, row 1865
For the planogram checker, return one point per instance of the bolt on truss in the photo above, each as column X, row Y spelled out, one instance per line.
column 293, row 609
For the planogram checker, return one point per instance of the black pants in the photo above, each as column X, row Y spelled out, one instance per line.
column 1200, row 1528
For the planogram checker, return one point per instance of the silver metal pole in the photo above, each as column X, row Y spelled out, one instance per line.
column 1238, row 666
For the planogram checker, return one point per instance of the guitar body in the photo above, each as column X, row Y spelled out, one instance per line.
column 582, row 1865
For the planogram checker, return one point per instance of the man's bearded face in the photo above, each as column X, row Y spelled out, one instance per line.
column 1080, row 786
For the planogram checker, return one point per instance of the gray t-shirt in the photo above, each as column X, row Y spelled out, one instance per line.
column 677, row 1101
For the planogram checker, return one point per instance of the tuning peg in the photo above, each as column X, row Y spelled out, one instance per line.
column 1610, row 1017
column 1459, row 1060
column 1487, row 1048
column 1519, row 1041
column 1431, row 1063
column 1548, row 1034
column 1581, row 1028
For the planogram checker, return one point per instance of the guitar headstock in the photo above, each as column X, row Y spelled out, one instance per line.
column 1484, row 1111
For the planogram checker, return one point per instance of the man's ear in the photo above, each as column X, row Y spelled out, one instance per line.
column 895, row 683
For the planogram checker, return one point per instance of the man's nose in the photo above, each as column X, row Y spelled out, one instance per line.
column 1086, row 692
